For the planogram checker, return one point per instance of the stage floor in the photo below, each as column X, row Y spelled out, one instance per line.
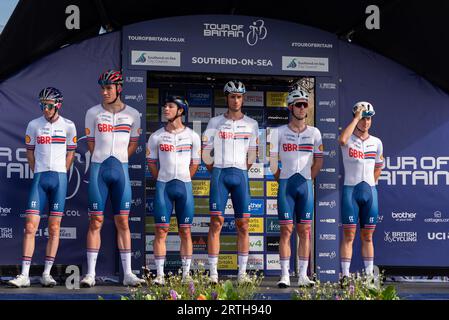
column 268, row 290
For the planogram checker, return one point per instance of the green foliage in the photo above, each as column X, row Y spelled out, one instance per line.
column 353, row 288
column 197, row 288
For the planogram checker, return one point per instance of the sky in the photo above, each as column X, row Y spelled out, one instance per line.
column 6, row 9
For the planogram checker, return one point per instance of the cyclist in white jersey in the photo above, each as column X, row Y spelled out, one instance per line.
column 363, row 161
column 112, row 130
column 300, row 149
column 177, row 150
column 233, row 138
column 51, row 144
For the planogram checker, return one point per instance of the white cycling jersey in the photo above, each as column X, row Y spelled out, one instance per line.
column 50, row 142
column 360, row 157
column 296, row 150
column 231, row 140
column 175, row 152
column 112, row 132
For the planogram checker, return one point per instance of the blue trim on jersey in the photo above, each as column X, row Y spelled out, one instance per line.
column 360, row 200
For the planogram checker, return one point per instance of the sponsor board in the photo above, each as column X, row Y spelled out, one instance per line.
column 256, row 171
column 202, row 171
column 6, row 233
column 255, row 262
column 228, row 243
column 276, row 99
column 256, row 188
column 313, row 64
column 149, row 261
column 272, row 225
column 228, row 225
column 200, row 224
column 200, row 187
column 272, row 188
column 273, row 262
column 199, row 98
column 437, row 217
column 256, row 225
column 256, row 243
column 276, row 117
column 200, row 262
column 155, row 58
column 254, row 98
column 272, row 243
column 400, row 236
column 199, row 243
column 201, row 205
column 173, row 262
column 327, row 255
column 227, row 262
column 403, row 216
column 202, row 115
column 272, row 207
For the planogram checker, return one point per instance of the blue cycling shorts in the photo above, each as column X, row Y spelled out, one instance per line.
column 295, row 200
column 48, row 186
column 359, row 202
column 174, row 192
column 110, row 176
column 227, row 181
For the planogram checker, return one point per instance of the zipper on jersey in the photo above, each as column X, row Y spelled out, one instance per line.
column 176, row 156
column 233, row 143
column 113, row 134
column 51, row 147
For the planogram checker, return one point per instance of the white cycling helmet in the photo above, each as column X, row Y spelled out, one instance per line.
column 369, row 109
column 297, row 95
column 234, row 86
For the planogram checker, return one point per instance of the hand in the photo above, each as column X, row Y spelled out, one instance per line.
column 359, row 112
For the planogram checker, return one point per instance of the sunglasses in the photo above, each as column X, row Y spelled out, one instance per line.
column 49, row 106
column 301, row 104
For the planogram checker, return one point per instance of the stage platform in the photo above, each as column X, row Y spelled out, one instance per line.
column 268, row 291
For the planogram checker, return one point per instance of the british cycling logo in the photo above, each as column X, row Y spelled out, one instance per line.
column 78, row 171
column 257, row 31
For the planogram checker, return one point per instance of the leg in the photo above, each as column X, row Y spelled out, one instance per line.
column 160, row 249
column 184, row 213
column 217, row 201
column 31, row 225
column 36, row 204
column 285, row 209
column 163, row 207
column 304, row 214
column 349, row 219
column 367, row 249
column 57, row 205
column 241, row 200
column 368, row 217
column 97, row 193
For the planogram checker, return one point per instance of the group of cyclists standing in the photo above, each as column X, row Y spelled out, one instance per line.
column 228, row 147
